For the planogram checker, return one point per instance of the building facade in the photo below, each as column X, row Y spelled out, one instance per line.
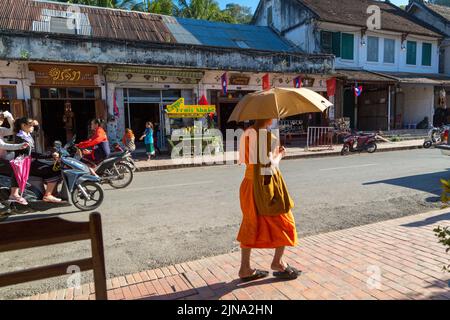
column 394, row 61
column 64, row 68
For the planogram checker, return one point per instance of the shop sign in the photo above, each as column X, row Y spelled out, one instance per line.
column 63, row 75
column 239, row 80
column 179, row 110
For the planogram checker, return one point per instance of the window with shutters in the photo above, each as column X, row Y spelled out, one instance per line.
column 348, row 41
column 326, row 40
column 372, row 49
column 331, row 42
column 426, row 54
column 411, row 53
column 389, row 51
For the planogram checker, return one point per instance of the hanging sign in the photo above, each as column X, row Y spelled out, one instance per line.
column 239, row 80
column 179, row 110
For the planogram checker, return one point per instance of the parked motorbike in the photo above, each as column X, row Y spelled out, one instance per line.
column 359, row 142
column 436, row 136
column 77, row 187
column 116, row 170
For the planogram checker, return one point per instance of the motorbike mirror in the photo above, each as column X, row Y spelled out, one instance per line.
column 57, row 144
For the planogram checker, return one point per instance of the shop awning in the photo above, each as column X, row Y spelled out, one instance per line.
column 363, row 76
column 419, row 78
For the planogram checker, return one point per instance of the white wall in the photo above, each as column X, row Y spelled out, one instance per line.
column 15, row 73
column 418, row 103
column 360, row 52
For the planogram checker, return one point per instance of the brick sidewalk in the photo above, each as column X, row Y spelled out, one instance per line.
column 165, row 163
column 336, row 265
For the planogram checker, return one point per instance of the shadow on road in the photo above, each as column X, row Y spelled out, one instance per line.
column 429, row 182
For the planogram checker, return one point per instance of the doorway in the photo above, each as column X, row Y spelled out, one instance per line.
column 140, row 113
column 54, row 114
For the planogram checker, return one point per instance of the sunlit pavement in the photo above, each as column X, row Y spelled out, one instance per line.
column 396, row 259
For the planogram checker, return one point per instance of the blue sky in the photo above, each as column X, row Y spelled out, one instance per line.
column 254, row 3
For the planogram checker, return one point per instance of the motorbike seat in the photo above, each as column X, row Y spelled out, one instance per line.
column 117, row 154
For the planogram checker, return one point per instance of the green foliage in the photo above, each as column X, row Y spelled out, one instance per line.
column 443, row 235
column 165, row 7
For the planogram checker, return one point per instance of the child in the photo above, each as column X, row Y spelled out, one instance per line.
column 149, row 140
column 128, row 140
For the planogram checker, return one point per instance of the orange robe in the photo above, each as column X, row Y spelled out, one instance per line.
column 258, row 231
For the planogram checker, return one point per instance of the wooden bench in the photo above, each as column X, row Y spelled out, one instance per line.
column 18, row 235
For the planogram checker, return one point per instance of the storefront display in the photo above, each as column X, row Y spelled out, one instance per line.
column 64, row 100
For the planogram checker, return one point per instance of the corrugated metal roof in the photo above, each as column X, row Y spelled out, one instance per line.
column 218, row 34
column 102, row 23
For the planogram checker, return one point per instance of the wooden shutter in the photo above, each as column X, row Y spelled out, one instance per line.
column 411, row 52
column 347, row 46
column 100, row 109
column 18, row 109
column 426, row 54
column 336, row 44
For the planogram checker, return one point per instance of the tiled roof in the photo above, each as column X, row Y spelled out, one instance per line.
column 362, row 75
column 441, row 10
column 217, row 34
column 353, row 12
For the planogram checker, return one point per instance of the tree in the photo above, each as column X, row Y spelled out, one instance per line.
column 201, row 9
column 238, row 13
column 156, row 6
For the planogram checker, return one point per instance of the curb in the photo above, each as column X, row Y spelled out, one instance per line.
column 288, row 157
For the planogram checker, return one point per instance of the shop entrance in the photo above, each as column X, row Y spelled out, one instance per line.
column 143, row 105
column 63, row 118
column 64, row 112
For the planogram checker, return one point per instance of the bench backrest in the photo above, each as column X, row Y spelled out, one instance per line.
column 18, row 235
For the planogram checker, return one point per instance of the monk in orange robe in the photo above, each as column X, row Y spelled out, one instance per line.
column 262, row 231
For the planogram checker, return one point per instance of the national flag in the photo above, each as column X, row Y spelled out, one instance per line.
column 358, row 91
column 224, row 81
column 298, row 82
column 266, row 82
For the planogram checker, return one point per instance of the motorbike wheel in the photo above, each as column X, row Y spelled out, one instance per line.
column 371, row 148
column 427, row 144
column 95, row 192
column 345, row 150
column 125, row 177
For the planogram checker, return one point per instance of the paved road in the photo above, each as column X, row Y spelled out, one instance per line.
column 167, row 217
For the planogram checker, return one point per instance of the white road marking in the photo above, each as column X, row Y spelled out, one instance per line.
column 171, row 185
column 350, row 167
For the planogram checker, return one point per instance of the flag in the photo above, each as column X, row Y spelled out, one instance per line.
column 331, row 87
column 358, row 91
column 266, row 82
column 224, row 81
column 115, row 107
column 298, row 82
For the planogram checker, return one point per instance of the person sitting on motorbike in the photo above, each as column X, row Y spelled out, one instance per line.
column 98, row 144
column 24, row 128
column 6, row 149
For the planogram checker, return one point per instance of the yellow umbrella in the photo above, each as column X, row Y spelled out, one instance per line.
column 278, row 103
